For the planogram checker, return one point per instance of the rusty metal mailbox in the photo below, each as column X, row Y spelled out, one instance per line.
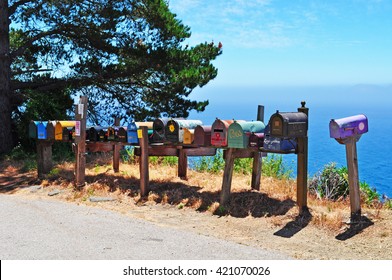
column 288, row 125
column 239, row 133
column 353, row 126
column 202, row 136
column 174, row 130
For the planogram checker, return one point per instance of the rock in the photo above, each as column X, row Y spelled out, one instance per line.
column 101, row 199
column 34, row 189
column 54, row 192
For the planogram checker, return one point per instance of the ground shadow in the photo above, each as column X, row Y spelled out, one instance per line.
column 355, row 228
column 295, row 226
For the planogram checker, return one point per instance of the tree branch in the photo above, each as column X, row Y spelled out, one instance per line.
column 12, row 9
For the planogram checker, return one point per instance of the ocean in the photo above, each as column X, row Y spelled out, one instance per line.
column 325, row 103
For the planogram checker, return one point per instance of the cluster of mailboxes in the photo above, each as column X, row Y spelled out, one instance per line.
column 278, row 135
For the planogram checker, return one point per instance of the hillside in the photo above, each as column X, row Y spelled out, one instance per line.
column 267, row 219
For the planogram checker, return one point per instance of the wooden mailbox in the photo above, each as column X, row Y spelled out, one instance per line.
column 202, row 136
column 239, row 133
column 174, row 130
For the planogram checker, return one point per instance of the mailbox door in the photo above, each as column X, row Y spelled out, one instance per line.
column 188, row 136
column 102, row 133
column 122, row 134
column 278, row 144
column 111, row 134
column 58, row 132
column 50, row 130
column 236, row 136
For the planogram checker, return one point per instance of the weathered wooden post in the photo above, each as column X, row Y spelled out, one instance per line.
column 227, row 176
column 302, row 166
column 348, row 131
column 143, row 164
column 80, row 141
column 44, row 157
column 182, row 164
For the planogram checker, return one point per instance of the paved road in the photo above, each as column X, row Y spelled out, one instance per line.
column 46, row 230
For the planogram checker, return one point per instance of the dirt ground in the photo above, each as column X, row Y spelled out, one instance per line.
column 267, row 218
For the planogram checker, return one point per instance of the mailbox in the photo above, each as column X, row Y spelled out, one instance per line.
column 50, row 130
column 256, row 140
column 102, row 134
column 121, row 133
column 41, row 130
column 174, row 130
column 132, row 137
column 33, row 129
column 188, row 136
column 111, row 133
column 158, row 127
column 219, row 132
column 202, row 136
column 278, row 144
column 344, row 128
column 288, row 125
column 92, row 133
column 239, row 133
column 63, row 130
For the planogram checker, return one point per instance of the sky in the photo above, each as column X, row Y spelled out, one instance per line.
column 294, row 43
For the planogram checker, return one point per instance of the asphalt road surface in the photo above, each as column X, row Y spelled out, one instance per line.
column 53, row 230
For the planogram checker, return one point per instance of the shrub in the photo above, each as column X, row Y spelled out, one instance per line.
column 273, row 166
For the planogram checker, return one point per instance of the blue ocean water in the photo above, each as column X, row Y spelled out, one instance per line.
column 374, row 148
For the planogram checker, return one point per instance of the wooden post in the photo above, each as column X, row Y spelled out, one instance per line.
column 353, row 179
column 116, row 157
column 227, row 176
column 44, row 157
column 80, row 141
column 302, row 167
column 182, row 164
column 143, row 164
column 256, row 171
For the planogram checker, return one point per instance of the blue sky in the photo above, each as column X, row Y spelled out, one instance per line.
column 294, row 43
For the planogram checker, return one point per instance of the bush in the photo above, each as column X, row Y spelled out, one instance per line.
column 331, row 183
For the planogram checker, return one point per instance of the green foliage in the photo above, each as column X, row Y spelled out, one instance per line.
column 369, row 194
column 273, row 166
column 214, row 164
column 388, row 204
column 128, row 154
column 129, row 57
column 243, row 166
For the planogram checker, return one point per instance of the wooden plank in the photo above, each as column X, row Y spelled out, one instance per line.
column 242, row 153
column 100, row 146
column 143, row 163
column 80, row 164
column 201, row 151
column 302, row 174
column 116, row 157
column 227, row 177
column 44, row 158
column 159, row 151
column 353, row 179
column 256, row 171
column 182, row 164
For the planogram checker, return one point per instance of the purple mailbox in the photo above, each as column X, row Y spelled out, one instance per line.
column 344, row 128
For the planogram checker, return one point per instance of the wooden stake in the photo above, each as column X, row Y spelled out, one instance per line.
column 182, row 164
column 143, row 164
column 353, row 179
column 44, row 157
column 256, row 171
column 302, row 174
column 116, row 157
column 227, row 176
column 80, row 141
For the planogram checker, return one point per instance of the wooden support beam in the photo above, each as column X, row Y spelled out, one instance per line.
column 80, row 141
column 227, row 176
column 353, row 179
column 302, row 175
column 143, row 163
column 116, row 157
column 256, row 171
column 200, row 151
column 182, row 164
column 44, row 157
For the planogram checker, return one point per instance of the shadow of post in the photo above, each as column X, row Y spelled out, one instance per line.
column 355, row 228
column 293, row 227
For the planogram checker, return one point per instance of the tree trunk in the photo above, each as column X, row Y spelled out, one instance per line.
column 5, row 76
